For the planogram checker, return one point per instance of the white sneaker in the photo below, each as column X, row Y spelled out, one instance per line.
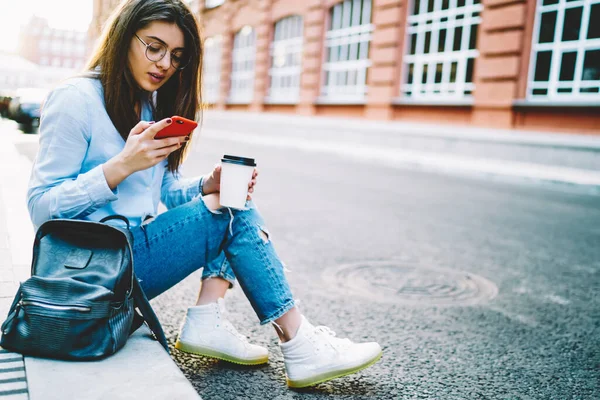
column 207, row 332
column 315, row 355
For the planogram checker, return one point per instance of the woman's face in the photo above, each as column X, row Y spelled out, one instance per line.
column 151, row 75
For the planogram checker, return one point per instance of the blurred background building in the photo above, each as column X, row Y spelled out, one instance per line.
column 46, row 46
column 532, row 64
column 44, row 57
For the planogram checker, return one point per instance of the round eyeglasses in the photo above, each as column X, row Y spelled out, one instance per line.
column 156, row 51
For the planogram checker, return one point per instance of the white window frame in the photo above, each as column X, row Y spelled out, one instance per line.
column 213, row 51
column 242, row 66
column 555, row 88
column 349, row 33
column 286, row 60
column 213, row 3
column 428, row 22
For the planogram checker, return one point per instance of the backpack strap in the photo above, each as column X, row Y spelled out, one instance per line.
column 141, row 302
column 116, row 216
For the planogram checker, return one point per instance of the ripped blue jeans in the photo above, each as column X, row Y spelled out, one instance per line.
column 230, row 244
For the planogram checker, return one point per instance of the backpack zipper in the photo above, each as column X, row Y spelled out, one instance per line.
column 56, row 307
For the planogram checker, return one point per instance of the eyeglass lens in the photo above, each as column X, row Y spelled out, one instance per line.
column 156, row 51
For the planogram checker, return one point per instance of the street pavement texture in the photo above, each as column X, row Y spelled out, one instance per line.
column 476, row 288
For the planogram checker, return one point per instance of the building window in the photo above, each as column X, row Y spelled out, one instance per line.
column 242, row 66
column 286, row 59
column 212, row 69
column 347, row 51
column 213, row 3
column 441, row 49
column 565, row 58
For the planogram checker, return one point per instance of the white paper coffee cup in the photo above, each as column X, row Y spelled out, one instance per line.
column 236, row 174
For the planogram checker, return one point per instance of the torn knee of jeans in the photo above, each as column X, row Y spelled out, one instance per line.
column 264, row 234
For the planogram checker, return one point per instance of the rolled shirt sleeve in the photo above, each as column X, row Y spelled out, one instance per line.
column 57, row 188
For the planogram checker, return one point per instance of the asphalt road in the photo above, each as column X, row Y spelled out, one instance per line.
column 476, row 289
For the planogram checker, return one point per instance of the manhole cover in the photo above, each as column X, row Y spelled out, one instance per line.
column 387, row 281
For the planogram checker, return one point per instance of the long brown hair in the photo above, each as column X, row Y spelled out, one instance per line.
column 180, row 95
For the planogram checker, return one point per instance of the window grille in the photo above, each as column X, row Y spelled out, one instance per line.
column 212, row 69
column 441, row 49
column 286, row 59
column 242, row 67
column 347, row 51
column 565, row 57
column 213, row 3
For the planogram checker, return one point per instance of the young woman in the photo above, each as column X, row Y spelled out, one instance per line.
column 98, row 157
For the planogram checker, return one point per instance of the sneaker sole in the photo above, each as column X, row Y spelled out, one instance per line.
column 207, row 352
column 314, row 380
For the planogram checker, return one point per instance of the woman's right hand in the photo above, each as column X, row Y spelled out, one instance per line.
column 141, row 151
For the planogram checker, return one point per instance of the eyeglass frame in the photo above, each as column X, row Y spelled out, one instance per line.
column 163, row 56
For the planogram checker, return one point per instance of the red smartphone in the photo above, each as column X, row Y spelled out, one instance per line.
column 179, row 127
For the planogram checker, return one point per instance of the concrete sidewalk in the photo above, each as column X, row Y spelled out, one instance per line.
column 141, row 370
column 568, row 160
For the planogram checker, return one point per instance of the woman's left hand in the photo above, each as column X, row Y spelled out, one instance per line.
column 212, row 182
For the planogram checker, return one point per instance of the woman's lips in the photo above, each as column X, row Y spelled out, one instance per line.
column 156, row 78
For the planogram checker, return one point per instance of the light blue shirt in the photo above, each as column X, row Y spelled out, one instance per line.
column 76, row 138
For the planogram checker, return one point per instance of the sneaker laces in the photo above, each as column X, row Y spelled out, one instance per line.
column 330, row 337
column 226, row 324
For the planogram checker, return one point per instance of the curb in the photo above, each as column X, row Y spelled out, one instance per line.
column 573, row 141
column 142, row 369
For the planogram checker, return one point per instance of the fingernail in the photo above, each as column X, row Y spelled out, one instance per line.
column 169, row 121
column 151, row 122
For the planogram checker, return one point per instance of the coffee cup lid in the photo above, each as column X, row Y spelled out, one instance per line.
column 239, row 160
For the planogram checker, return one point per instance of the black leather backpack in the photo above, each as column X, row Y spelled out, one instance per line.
column 79, row 303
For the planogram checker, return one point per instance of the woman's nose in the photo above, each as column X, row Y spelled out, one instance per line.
column 165, row 62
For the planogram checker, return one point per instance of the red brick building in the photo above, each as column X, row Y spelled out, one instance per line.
column 50, row 47
column 531, row 64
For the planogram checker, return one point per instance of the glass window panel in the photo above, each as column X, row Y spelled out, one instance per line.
column 540, row 91
column 413, row 43
column 591, row 66
column 442, row 41
column 542, row 66
column 473, row 37
column 547, row 27
column 411, row 68
column 549, row 2
column 460, row 3
column 424, row 75
column 427, row 42
column 416, row 7
column 564, row 90
column 590, row 90
column 445, row 4
column 470, row 66
column 457, row 38
column 567, row 66
column 453, row 68
column 594, row 28
column 430, row 5
column 572, row 24
column 438, row 72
